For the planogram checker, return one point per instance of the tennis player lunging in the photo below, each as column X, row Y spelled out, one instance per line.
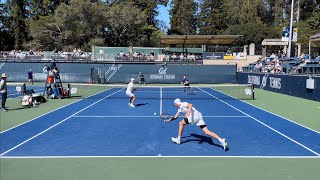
column 129, row 93
column 193, row 116
column 185, row 83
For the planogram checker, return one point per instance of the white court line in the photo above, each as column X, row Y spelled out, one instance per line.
column 271, row 113
column 50, row 112
column 160, row 100
column 162, row 156
column 56, row 124
column 153, row 116
column 263, row 124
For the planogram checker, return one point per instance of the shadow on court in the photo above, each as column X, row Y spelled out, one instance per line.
column 21, row 108
column 200, row 139
column 141, row 104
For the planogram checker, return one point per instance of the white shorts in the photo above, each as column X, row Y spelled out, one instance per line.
column 197, row 119
column 130, row 94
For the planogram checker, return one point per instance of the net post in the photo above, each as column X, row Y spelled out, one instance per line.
column 69, row 91
column 24, row 89
column 252, row 89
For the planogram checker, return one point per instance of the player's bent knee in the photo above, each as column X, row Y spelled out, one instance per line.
column 185, row 121
column 203, row 128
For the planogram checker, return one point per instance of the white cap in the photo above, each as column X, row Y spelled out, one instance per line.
column 132, row 79
column 177, row 101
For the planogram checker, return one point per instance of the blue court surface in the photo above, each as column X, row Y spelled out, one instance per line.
column 104, row 125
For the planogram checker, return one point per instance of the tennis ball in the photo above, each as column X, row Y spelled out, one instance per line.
column 154, row 113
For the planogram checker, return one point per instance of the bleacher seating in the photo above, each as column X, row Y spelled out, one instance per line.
column 290, row 66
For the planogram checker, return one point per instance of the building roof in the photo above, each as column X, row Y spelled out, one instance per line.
column 274, row 42
column 198, row 39
column 315, row 37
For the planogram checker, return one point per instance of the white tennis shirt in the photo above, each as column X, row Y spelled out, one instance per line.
column 183, row 108
column 130, row 87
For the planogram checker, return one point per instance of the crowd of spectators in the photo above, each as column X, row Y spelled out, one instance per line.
column 77, row 54
column 137, row 56
column 21, row 54
column 183, row 57
column 278, row 63
column 272, row 64
column 39, row 55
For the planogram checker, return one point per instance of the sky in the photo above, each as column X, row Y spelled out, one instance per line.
column 164, row 14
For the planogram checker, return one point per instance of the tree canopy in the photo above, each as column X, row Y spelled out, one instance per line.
column 69, row 24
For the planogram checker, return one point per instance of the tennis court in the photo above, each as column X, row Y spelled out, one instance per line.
column 103, row 125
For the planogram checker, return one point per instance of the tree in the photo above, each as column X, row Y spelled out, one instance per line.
column 77, row 24
column 183, row 17
column 252, row 32
column 211, row 19
column 6, row 38
column 39, row 8
column 242, row 11
column 18, row 16
column 314, row 20
column 125, row 24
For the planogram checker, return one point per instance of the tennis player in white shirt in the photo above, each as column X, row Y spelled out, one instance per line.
column 129, row 93
column 193, row 116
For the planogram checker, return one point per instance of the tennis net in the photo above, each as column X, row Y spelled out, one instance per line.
column 216, row 91
column 15, row 89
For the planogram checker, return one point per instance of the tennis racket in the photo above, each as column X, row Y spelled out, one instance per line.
column 166, row 117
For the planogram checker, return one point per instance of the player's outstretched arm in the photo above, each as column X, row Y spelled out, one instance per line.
column 174, row 117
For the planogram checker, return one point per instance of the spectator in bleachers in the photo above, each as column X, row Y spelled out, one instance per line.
column 129, row 55
column 258, row 66
column 193, row 57
column 302, row 55
column 277, row 67
column 181, row 57
column 174, row 56
column 74, row 51
column 272, row 56
column 229, row 52
column 188, row 57
column 151, row 56
column 31, row 52
column 101, row 53
column 121, row 54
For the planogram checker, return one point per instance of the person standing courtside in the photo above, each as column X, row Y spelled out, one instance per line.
column 3, row 91
column 30, row 76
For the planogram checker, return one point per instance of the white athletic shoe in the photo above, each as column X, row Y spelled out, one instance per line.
column 176, row 140
column 131, row 105
column 224, row 143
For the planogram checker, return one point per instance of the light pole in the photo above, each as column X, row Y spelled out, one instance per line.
column 290, row 34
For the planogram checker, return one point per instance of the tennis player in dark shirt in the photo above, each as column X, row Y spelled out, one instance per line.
column 185, row 83
column 142, row 80
column 30, row 76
